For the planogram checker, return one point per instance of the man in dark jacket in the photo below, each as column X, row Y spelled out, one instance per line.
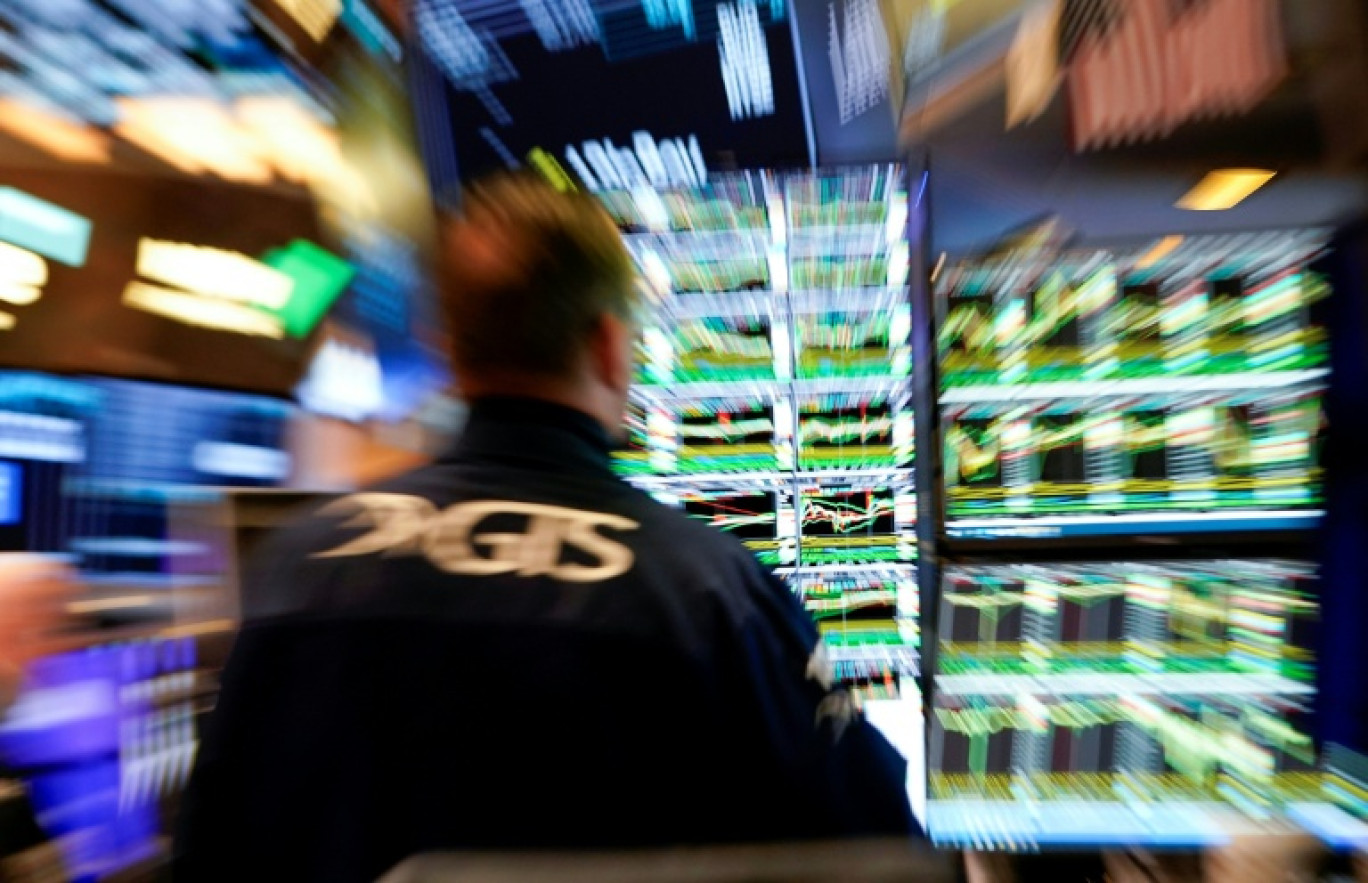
column 512, row 648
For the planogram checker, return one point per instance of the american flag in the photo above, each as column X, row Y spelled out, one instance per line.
column 1083, row 20
column 1139, row 68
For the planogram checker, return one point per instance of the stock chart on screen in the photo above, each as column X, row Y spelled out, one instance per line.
column 759, row 520
column 1098, row 394
column 846, row 525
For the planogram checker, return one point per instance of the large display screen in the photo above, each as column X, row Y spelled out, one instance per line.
column 578, row 83
column 151, row 445
column 1105, row 394
column 763, row 521
column 152, row 240
column 1160, row 703
column 192, row 204
column 774, row 395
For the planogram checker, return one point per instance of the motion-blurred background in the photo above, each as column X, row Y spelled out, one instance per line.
column 1024, row 339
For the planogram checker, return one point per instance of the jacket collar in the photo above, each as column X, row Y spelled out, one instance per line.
column 535, row 433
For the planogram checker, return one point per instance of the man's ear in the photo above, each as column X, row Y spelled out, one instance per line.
column 612, row 352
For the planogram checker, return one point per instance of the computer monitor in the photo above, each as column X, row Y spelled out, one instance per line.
column 1159, row 703
column 1102, row 393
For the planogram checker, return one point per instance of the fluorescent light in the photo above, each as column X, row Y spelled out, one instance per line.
column 315, row 17
column 22, row 275
column 1224, row 189
column 215, row 273
column 67, row 139
column 195, row 135
column 193, row 309
column 1162, row 249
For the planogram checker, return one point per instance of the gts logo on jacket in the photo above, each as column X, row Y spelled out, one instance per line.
column 449, row 538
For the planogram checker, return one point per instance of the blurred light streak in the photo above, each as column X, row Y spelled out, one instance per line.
column 43, row 227
column 1138, row 72
column 209, row 627
column 193, row 309
column 214, row 272
column 101, row 604
column 51, row 133
column 297, row 144
column 936, row 271
column 744, row 57
column 316, row 17
column 1162, row 249
column 195, row 135
column 860, row 56
column 22, row 275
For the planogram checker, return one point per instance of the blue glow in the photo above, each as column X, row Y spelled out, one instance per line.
column 662, row 14
column 11, row 492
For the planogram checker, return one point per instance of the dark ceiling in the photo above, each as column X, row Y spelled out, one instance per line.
column 986, row 181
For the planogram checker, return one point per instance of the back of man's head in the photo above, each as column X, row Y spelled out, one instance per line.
column 538, row 286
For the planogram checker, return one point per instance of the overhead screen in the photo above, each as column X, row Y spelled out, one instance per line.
column 79, row 322
column 1129, row 633
column 720, row 73
column 194, row 205
column 1098, row 394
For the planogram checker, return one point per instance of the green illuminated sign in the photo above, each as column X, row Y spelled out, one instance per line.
column 319, row 277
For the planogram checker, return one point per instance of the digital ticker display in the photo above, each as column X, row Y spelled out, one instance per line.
column 835, row 433
column 773, row 400
column 1105, row 397
column 1152, row 456
column 1129, row 702
column 1098, row 325
column 519, row 84
column 836, row 344
column 729, row 440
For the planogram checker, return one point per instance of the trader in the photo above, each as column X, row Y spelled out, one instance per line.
column 512, row 648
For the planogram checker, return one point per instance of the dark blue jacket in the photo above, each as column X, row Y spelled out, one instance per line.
column 513, row 648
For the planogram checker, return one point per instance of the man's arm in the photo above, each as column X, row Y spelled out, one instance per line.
column 837, row 774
